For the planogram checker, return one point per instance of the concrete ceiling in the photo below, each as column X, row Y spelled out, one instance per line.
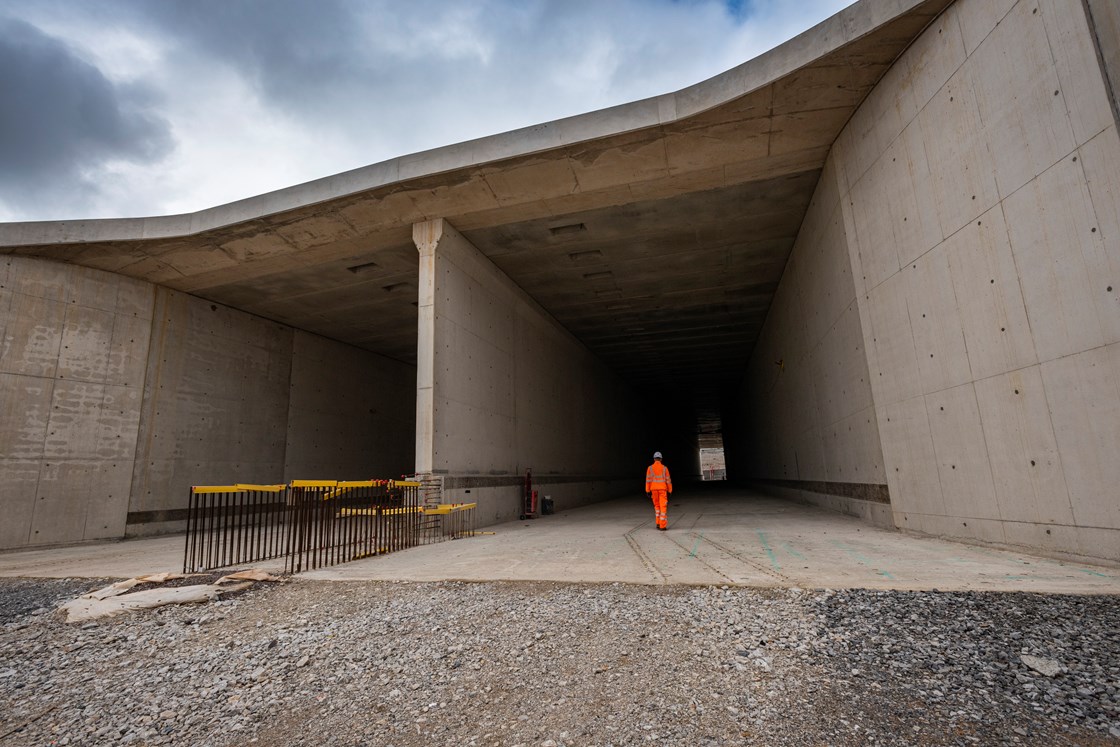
column 656, row 232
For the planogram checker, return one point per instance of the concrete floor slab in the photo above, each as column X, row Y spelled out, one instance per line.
column 727, row 536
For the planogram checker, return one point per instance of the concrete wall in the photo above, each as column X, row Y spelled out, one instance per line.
column 804, row 423
column 215, row 406
column 73, row 354
column 979, row 184
column 503, row 388
column 949, row 322
column 117, row 395
column 351, row 414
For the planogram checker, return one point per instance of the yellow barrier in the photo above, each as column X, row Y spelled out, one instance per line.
column 378, row 511
column 344, row 486
column 447, row 508
column 238, row 488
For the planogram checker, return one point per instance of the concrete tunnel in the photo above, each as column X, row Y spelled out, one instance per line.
column 877, row 261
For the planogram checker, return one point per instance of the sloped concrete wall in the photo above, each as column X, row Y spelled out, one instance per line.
column 503, row 388
column 73, row 354
column 980, row 188
column 351, row 414
column 804, row 424
column 1104, row 17
column 117, row 395
column 216, row 404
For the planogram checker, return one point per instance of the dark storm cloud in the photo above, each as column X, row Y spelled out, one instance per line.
column 61, row 119
column 292, row 50
column 447, row 67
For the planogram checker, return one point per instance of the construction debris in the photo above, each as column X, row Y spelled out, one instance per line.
column 113, row 600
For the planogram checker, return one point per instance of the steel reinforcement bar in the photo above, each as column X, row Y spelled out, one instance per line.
column 233, row 524
column 314, row 523
column 335, row 522
column 448, row 521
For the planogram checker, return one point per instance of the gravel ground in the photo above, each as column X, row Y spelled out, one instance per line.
column 545, row 665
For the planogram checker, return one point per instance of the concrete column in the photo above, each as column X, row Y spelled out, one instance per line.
column 426, row 235
column 466, row 359
column 502, row 387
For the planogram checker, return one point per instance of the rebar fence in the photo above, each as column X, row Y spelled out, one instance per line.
column 336, row 522
column 234, row 524
column 447, row 521
column 314, row 523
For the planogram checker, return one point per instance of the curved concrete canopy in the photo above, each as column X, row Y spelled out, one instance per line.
column 655, row 231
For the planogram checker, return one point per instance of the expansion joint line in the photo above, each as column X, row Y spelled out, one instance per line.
column 650, row 566
column 703, row 562
column 748, row 561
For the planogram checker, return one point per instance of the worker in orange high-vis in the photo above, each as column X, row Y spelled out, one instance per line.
column 658, row 487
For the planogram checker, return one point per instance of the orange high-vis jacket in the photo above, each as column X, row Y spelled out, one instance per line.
column 657, row 478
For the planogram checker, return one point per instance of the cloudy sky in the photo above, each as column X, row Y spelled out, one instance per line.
column 113, row 108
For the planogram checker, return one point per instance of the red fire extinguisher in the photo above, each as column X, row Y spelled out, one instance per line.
column 528, row 498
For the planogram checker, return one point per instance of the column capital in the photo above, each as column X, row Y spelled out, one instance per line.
column 427, row 234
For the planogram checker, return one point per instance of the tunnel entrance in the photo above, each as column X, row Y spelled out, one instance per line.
column 713, row 466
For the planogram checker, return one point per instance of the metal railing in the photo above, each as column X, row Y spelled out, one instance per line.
column 314, row 523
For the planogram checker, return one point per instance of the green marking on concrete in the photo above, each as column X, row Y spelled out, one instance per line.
column 789, row 548
column 861, row 559
column 769, row 552
column 855, row 555
column 1094, row 573
column 697, row 545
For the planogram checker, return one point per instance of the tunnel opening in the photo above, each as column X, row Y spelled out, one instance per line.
column 713, row 464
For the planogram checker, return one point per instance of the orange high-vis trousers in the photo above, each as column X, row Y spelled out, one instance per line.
column 661, row 507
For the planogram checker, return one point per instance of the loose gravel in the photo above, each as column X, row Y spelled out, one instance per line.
column 545, row 665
